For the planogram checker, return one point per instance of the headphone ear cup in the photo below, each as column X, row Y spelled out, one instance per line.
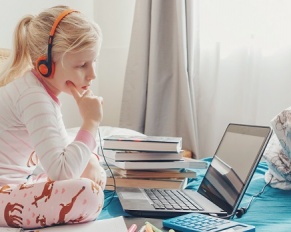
column 45, row 68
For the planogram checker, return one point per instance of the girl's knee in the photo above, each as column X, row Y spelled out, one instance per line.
column 94, row 197
column 92, row 186
column 91, row 198
column 86, row 190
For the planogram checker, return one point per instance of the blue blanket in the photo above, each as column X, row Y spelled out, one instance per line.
column 270, row 212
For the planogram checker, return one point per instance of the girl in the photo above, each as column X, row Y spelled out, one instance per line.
column 53, row 52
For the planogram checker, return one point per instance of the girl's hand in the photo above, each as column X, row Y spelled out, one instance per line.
column 94, row 171
column 90, row 107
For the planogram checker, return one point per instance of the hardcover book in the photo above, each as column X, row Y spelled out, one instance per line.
column 150, row 165
column 167, row 183
column 143, row 143
column 145, row 183
column 138, row 155
column 154, row 174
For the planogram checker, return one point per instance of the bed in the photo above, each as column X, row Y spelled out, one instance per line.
column 269, row 212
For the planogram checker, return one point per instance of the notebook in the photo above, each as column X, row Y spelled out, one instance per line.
column 223, row 186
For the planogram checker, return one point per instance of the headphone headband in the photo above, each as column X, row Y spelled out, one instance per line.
column 59, row 19
column 44, row 64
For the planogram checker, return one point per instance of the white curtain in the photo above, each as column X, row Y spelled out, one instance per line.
column 158, row 96
column 238, row 64
column 245, row 65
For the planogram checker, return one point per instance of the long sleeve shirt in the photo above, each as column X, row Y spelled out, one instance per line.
column 31, row 120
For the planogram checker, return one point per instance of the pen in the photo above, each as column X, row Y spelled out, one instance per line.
column 132, row 228
column 155, row 229
column 148, row 228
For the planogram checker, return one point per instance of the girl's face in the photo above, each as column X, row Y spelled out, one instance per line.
column 77, row 67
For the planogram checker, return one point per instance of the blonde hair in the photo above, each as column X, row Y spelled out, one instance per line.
column 74, row 33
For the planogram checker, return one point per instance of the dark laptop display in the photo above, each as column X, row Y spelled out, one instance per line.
column 224, row 183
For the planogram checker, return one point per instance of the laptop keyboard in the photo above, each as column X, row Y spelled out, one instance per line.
column 173, row 199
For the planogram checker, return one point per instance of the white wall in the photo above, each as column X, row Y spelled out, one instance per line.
column 115, row 18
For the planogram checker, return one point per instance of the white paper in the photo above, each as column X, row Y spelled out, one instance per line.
column 8, row 229
column 116, row 224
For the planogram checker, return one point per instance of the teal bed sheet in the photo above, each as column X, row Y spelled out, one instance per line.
column 270, row 212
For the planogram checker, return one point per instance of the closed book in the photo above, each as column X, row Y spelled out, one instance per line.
column 138, row 155
column 145, row 183
column 154, row 174
column 150, row 165
column 143, row 143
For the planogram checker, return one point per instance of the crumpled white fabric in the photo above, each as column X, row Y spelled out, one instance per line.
column 278, row 152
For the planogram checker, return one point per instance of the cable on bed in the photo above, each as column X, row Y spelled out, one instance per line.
column 241, row 211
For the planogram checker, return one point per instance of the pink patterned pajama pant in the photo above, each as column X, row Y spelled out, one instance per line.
column 40, row 204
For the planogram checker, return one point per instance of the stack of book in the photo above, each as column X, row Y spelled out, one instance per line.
column 172, row 178
column 148, row 162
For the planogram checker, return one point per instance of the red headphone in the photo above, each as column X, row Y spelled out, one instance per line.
column 44, row 65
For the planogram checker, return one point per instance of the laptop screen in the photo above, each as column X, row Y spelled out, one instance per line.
column 233, row 164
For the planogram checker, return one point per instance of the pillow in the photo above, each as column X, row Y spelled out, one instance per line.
column 277, row 153
column 105, row 131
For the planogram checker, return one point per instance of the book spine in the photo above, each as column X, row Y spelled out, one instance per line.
column 143, row 183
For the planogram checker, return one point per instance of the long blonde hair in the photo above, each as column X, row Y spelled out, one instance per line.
column 74, row 33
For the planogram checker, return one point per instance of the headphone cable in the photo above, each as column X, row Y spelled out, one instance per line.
column 111, row 173
column 240, row 212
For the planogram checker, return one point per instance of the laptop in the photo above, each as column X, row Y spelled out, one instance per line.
column 223, row 185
